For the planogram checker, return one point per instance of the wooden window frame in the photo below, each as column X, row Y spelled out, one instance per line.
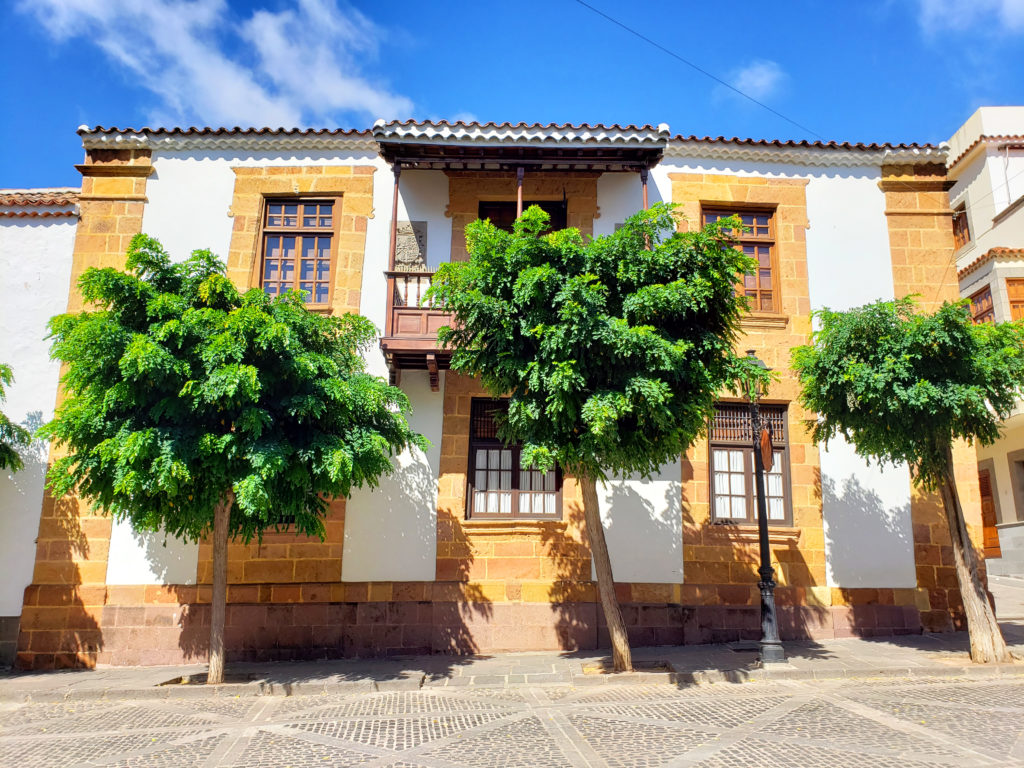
column 747, row 447
column 720, row 209
column 987, row 315
column 481, row 204
column 474, row 444
column 1015, row 296
column 334, row 232
column 961, row 227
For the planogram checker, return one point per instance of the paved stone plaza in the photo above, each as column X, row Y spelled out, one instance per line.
column 857, row 723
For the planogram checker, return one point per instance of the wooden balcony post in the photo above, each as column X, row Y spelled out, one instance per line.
column 519, row 191
column 393, row 247
column 643, row 187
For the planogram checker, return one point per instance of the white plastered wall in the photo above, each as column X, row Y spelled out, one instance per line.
column 619, row 196
column 391, row 531
column 642, row 518
column 643, row 523
column 868, row 532
column 190, row 195
column 35, row 259
column 866, row 508
column 422, row 196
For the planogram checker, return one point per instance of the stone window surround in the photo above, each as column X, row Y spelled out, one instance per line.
column 780, row 443
column 300, row 231
column 749, row 238
column 476, row 443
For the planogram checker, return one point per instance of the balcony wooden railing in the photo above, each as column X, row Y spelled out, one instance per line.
column 410, row 315
column 410, row 334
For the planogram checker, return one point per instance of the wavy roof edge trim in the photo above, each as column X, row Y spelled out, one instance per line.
column 803, row 152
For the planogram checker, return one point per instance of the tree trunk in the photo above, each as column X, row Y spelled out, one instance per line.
column 987, row 644
column 621, row 657
column 221, row 516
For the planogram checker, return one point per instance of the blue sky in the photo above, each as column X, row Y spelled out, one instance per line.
column 849, row 70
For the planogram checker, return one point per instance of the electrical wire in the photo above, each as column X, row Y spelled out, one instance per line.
column 790, row 120
column 693, row 66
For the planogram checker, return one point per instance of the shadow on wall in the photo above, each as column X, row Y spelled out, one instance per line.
column 573, row 596
column 45, row 541
column 58, row 627
column 858, row 520
column 860, row 527
column 331, row 619
column 645, row 538
column 800, row 615
column 460, row 608
column 397, row 517
column 635, row 521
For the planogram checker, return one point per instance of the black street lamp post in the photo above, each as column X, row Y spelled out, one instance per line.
column 771, row 646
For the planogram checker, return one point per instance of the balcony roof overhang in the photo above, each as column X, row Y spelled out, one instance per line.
column 506, row 146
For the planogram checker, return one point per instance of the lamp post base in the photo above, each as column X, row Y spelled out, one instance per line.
column 771, row 646
column 772, row 653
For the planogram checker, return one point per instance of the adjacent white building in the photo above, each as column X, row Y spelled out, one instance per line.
column 986, row 162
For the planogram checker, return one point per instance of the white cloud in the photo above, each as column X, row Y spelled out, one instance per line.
column 959, row 15
column 304, row 63
column 760, row 79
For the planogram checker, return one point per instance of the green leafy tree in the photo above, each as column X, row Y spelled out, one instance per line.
column 11, row 435
column 901, row 386
column 194, row 408
column 611, row 349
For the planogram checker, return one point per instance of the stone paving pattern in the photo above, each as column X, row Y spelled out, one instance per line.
column 911, row 723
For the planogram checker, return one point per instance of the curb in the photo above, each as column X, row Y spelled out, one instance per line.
column 575, row 680
column 225, row 691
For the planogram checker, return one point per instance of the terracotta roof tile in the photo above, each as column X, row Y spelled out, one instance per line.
column 985, row 138
column 461, row 124
column 789, row 144
column 991, row 254
column 55, row 196
column 236, row 131
column 522, row 125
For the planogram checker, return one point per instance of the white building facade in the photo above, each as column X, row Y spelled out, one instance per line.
column 456, row 552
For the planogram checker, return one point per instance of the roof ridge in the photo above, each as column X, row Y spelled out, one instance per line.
column 805, row 143
column 224, row 130
column 520, row 124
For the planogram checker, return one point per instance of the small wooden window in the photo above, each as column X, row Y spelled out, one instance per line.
column 758, row 242
column 498, row 487
column 982, row 309
column 733, row 496
column 961, row 227
column 298, row 248
column 502, row 213
column 1015, row 291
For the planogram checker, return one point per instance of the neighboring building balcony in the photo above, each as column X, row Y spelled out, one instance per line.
column 411, row 325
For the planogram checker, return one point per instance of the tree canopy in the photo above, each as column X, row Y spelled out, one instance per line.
column 180, row 389
column 901, row 385
column 612, row 349
column 11, row 435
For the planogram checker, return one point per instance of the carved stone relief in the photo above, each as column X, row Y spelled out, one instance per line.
column 411, row 246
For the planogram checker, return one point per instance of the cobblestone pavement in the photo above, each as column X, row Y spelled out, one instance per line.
column 909, row 723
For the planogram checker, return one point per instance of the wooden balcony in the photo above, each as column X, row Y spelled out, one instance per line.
column 410, row 333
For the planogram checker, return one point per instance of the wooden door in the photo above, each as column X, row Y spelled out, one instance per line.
column 990, row 536
column 1015, row 290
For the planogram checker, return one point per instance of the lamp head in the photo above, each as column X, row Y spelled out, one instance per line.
column 758, row 361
